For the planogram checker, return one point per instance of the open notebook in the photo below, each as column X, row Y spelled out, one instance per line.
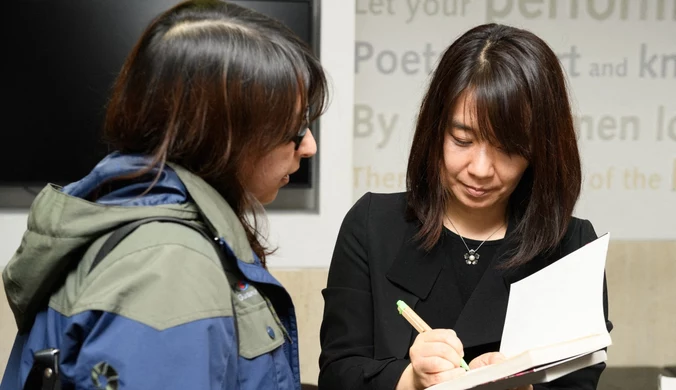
column 554, row 325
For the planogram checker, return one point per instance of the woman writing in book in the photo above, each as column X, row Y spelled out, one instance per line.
column 493, row 177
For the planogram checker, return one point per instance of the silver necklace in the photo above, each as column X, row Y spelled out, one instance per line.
column 472, row 255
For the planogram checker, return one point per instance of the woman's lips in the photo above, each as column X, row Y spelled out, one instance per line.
column 477, row 192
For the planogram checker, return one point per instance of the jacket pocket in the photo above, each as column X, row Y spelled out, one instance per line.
column 258, row 330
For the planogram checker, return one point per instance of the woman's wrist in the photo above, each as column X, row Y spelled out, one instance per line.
column 406, row 381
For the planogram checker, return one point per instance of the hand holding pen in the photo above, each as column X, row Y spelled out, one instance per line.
column 436, row 355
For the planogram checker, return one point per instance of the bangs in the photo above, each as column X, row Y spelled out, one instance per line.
column 305, row 94
column 285, row 96
column 503, row 112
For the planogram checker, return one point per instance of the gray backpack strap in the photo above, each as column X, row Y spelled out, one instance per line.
column 231, row 270
column 120, row 233
column 45, row 375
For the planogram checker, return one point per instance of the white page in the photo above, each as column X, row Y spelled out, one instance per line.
column 667, row 383
column 561, row 302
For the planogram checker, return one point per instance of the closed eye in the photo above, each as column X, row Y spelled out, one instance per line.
column 461, row 142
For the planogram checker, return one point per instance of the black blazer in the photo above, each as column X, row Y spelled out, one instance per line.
column 375, row 262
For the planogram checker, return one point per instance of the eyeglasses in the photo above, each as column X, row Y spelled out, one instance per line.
column 303, row 129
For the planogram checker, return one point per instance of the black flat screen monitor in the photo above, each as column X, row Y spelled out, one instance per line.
column 61, row 59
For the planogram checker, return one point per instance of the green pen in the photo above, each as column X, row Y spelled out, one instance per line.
column 418, row 323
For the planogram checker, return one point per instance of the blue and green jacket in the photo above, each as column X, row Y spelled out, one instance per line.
column 158, row 312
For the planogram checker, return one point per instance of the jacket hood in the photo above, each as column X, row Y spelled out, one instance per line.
column 62, row 225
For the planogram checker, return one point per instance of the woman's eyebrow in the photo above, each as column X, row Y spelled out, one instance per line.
column 461, row 126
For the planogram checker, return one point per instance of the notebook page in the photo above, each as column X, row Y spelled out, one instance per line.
column 561, row 302
column 667, row 383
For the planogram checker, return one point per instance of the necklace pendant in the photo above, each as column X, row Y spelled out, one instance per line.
column 471, row 257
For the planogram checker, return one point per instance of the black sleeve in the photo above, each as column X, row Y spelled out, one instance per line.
column 586, row 378
column 346, row 360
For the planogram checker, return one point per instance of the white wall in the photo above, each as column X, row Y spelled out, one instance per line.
column 304, row 240
column 12, row 226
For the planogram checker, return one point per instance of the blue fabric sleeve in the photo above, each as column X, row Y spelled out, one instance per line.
column 196, row 355
column 15, row 370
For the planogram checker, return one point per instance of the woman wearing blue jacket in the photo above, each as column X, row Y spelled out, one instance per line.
column 207, row 119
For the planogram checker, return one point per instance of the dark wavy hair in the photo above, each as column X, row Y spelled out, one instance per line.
column 522, row 105
column 213, row 87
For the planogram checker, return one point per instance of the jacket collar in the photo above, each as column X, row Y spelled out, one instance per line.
column 414, row 271
column 217, row 213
